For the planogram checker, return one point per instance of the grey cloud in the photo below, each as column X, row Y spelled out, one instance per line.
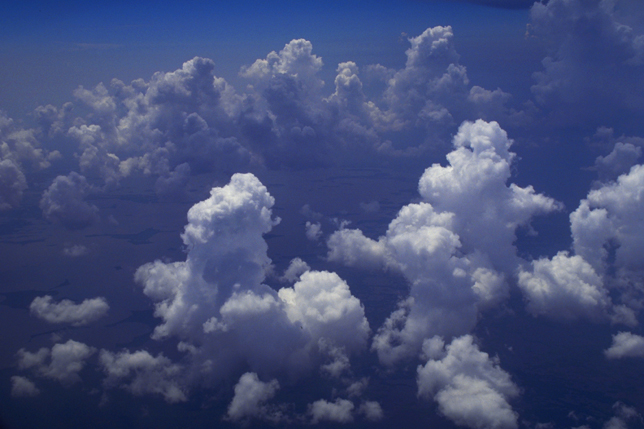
column 340, row 411
column 12, row 184
column 63, row 202
column 141, row 373
column 582, row 37
column 66, row 360
column 67, row 311
column 22, row 387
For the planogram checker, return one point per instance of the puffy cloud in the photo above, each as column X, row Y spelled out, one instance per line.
column 313, row 230
column 609, row 219
column 250, row 399
column 75, row 250
column 455, row 247
column 623, row 414
column 65, row 361
column 469, row 386
column 339, row 411
column 22, row 387
column 371, row 410
column 12, row 184
column 322, row 303
column 595, row 60
column 227, row 320
column 565, row 288
column 618, row 162
column 144, row 374
column 626, row 344
column 63, row 202
column 66, row 311
column 296, row 268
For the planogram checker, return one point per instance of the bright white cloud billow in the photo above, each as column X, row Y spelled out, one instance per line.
column 469, row 386
column 62, row 362
column 227, row 320
column 455, row 247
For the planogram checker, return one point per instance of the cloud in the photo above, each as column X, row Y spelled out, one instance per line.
column 296, row 268
column 22, row 387
column 625, row 344
column 76, row 250
column 455, row 247
column 609, row 219
column 313, row 230
column 594, row 65
column 249, row 401
column 226, row 319
column 564, row 288
column 63, row 202
column 339, row 411
column 623, row 414
column 66, row 360
column 371, row 410
column 141, row 373
column 66, row 311
column 469, row 386
column 12, row 184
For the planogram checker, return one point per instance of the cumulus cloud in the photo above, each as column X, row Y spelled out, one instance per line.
column 75, row 250
column 609, row 220
column 62, row 362
column 625, row 344
column 12, row 184
column 296, row 268
column 22, row 387
column 455, row 247
column 250, row 399
column 67, row 311
column 339, row 411
column 582, row 38
column 313, row 230
column 226, row 319
column 63, row 202
column 469, row 386
column 371, row 410
column 141, row 373
column 623, row 415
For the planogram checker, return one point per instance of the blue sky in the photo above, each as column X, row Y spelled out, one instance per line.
column 322, row 214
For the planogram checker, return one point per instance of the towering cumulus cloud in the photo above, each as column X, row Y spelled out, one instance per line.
column 455, row 247
column 227, row 320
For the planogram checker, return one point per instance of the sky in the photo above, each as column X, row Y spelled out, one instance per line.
column 322, row 214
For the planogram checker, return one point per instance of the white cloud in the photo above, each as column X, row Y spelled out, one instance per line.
column 65, row 361
column 250, row 399
column 22, row 387
column 625, row 344
column 610, row 217
column 339, row 411
column 455, row 247
column 227, row 320
column 469, row 386
column 564, row 288
column 66, row 311
column 322, row 304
